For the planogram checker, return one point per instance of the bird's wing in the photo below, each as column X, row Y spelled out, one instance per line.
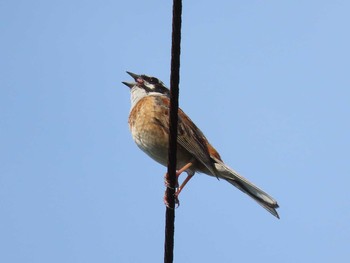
column 191, row 138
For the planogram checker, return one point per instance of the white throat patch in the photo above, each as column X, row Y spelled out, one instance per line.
column 138, row 93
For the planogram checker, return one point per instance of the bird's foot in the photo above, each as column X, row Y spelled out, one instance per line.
column 166, row 201
column 167, row 182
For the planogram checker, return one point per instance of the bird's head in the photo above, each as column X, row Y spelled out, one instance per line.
column 148, row 84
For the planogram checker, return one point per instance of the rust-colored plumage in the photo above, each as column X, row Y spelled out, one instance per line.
column 149, row 125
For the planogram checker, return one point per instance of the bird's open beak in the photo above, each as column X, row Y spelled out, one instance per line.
column 134, row 76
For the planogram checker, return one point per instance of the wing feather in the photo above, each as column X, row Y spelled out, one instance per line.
column 190, row 137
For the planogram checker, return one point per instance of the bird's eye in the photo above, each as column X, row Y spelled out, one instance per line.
column 153, row 80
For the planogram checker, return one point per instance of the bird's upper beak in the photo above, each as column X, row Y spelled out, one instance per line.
column 134, row 76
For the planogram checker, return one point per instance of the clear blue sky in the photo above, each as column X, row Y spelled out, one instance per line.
column 267, row 81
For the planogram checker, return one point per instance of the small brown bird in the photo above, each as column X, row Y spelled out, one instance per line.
column 149, row 125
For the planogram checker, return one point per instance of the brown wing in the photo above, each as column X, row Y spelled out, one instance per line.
column 191, row 137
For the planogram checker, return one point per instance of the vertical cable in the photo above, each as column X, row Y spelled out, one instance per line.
column 173, row 120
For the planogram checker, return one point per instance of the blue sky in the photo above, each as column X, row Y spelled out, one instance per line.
column 266, row 81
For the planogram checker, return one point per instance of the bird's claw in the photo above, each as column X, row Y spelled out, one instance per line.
column 166, row 202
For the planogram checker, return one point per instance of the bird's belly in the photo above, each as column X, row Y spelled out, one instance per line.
column 151, row 135
column 152, row 140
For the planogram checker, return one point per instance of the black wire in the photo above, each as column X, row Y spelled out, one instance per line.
column 173, row 120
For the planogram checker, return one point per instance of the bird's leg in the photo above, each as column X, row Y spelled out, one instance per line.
column 179, row 189
column 178, row 172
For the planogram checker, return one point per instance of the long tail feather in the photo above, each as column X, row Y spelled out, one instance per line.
column 234, row 178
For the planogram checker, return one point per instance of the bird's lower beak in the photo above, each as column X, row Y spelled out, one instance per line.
column 130, row 85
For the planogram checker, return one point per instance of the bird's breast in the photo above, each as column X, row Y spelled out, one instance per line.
column 146, row 130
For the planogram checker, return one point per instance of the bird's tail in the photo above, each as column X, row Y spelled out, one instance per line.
column 247, row 187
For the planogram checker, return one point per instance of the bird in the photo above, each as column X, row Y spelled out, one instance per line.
column 149, row 125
